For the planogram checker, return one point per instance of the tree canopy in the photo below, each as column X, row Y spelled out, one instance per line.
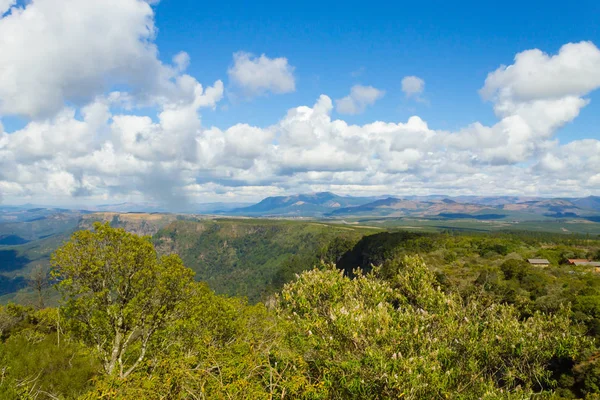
column 118, row 293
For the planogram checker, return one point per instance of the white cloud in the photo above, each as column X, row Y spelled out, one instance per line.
column 181, row 61
column 535, row 75
column 359, row 99
column 107, row 42
column 5, row 5
column 412, row 86
column 259, row 75
column 536, row 96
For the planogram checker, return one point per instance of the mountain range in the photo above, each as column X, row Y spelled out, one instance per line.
column 330, row 205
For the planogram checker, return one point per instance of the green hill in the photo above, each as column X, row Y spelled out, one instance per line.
column 253, row 258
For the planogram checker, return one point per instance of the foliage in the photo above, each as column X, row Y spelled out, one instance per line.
column 403, row 337
column 118, row 293
column 514, row 269
column 441, row 315
column 37, row 361
column 253, row 258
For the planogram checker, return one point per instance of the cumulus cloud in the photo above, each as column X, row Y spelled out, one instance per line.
column 359, row 99
column 259, row 75
column 412, row 86
column 87, row 143
column 108, row 42
column 536, row 75
column 536, row 96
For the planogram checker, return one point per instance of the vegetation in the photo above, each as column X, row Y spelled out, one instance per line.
column 254, row 258
column 17, row 263
column 479, row 323
column 118, row 293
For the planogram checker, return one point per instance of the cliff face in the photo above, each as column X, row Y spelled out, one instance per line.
column 142, row 224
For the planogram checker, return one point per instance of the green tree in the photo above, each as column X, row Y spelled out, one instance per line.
column 38, row 281
column 334, row 250
column 516, row 269
column 118, row 294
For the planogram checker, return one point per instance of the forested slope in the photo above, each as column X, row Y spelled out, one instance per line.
column 254, row 258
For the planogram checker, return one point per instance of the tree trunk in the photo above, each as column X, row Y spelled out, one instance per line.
column 116, row 349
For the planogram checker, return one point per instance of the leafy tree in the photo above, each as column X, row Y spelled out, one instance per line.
column 38, row 281
column 587, row 375
column 514, row 269
column 455, row 329
column 118, row 293
column 333, row 251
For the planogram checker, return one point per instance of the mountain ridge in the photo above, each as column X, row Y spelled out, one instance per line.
column 308, row 204
column 331, row 205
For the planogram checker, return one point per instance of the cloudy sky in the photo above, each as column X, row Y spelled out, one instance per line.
column 180, row 102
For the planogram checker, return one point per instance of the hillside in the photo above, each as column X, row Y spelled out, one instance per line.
column 246, row 257
column 25, row 225
column 254, row 257
column 144, row 224
column 17, row 262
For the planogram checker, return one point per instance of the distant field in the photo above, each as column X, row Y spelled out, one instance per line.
column 565, row 226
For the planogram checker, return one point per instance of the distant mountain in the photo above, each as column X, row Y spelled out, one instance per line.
column 128, row 207
column 18, row 215
column 376, row 206
column 313, row 204
column 554, row 208
column 493, row 200
column 327, row 204
column 393, row 207
column 481, row 200
column 486, row 208
column 201, row 208
column 590, row 202
column 213, row 208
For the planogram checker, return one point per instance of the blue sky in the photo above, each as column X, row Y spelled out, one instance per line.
column 451, row 46
column 179, row 102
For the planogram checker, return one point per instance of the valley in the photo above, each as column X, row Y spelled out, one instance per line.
column 252, row 251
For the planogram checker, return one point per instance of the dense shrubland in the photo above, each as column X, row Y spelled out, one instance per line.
column 475, row 323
